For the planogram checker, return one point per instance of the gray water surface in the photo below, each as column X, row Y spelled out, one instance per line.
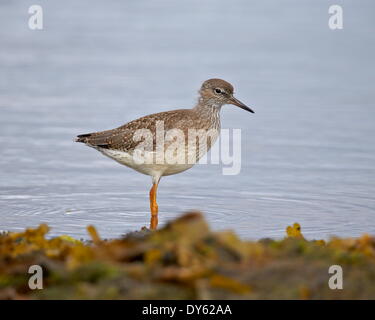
column 308, row 153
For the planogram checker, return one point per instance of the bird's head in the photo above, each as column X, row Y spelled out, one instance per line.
column 219, row 92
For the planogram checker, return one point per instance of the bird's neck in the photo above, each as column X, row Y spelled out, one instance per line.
column 209, row 110
column 208, row 107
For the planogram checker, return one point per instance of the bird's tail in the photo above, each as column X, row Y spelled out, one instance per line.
column 83, row 137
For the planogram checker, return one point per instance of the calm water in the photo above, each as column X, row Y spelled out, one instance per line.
column 308, row 153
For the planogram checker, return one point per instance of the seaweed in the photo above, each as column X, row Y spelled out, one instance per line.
column 184, row 260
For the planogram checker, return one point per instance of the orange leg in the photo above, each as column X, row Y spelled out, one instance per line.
column 153, row 207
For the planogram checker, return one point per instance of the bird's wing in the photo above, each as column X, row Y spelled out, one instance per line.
column 122, row 138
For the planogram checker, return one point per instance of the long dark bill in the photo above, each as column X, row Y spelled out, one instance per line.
column 238, row 103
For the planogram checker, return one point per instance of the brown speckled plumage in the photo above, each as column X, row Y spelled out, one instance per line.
column 205, row 115
column 120, row 145
column 121, row 138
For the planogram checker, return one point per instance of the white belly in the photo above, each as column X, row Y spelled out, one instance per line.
column 166, row 166
column 151, row 169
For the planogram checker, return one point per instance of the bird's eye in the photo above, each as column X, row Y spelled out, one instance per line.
column 217, row 90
